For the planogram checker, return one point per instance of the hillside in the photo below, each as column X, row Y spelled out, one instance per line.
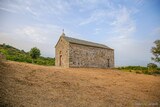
column 28, row 85
column 15, row 54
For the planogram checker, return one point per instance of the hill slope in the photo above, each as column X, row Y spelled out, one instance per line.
column 30, row 85
column 15, row 54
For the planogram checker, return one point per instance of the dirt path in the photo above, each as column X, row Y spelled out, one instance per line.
column 27, row 85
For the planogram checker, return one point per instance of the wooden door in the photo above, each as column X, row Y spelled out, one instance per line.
column 60, row 60
column 108, row 63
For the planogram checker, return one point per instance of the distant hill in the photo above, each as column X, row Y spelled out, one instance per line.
column 15, row 54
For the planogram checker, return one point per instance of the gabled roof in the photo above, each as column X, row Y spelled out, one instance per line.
column 83, row 42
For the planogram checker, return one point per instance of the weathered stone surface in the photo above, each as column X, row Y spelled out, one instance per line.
column 62, row 49
column 78, row 55
column 87, row 56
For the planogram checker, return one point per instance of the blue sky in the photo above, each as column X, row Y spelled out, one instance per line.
column 128, row 26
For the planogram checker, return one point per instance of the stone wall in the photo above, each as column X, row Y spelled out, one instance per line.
column 88, row 56
column 62, row 49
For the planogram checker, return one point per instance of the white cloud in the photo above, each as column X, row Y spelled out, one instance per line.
column 95, row 16
column 90, row 5
column 7, row 10
column 44, row 37
column 139, row 2
column 34, row 34
column 36, row 8
column 41, row 36
column 31, row 11
column 127, row 50
column 123, row 24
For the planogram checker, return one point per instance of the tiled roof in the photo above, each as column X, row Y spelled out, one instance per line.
column 83, row 42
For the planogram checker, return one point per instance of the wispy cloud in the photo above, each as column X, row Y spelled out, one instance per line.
column 123, row 24
column 37, row 8
column 123, row 28
column 95, row 16
column 39, row 35
column 33, row 34
column 98, row 15
column 139, row 2
column 7, row 10
column 118, row 17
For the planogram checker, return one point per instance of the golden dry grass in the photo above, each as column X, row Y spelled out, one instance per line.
column 27, row 85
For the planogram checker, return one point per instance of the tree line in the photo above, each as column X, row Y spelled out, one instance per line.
column 33, row 56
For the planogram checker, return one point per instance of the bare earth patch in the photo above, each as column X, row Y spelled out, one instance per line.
column 27, row 85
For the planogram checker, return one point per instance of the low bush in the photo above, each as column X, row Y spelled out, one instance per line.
column 152, row 69
column 132, row 68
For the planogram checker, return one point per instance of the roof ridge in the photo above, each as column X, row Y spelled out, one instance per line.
column 84, row 42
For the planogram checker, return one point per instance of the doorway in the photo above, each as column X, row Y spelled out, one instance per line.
column 108, row 63
column 60, row 60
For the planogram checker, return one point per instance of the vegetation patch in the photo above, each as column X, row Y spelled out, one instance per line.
column 140, row 69
column 14, row 54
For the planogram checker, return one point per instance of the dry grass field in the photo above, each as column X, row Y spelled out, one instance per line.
column 27, row 85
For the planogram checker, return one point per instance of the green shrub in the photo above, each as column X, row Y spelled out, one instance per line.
column 146, row 72
column 156, row 72
column 140, row 69
column 14, row 54
column 152, row 67
column 3, row 51
column 133, row 68
column 28, row 60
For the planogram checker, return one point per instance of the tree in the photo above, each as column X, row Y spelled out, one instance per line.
column 156, row 51
column 152, row 67
column 34, row 53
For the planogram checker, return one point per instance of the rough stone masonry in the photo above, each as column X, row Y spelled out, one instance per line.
column 71, row 52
